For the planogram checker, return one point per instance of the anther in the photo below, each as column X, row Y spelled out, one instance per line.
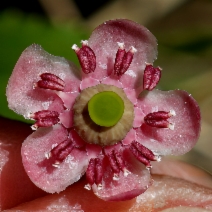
column 138, row 155
column 90, row 173
column 52, row 77
column 44, row 118
column 50, row 81
column 98, row 173
column 60, row 152
column 151, row 77
column 94, row 173
column 123, row 59
column 86, row 57
column 45, row 122
column 147, row 153
column 117, row 164
column 113, row 163
column 159, row 119
column 44, row 114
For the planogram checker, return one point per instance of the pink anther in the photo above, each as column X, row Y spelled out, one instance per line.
column 61, row 151
column 50, row 81
column 151, row 77
column 147, row 153
column 45, row 122
column 90, row 172
column 49, row 85
column 119, row 160
column 123, row 59
column 94, row 173
column 98, row 171
column 117, row 163
column 119, row 58
column 159, row 119
column 86, row 56
column 45, row 118
column 138, row 155
column 113, row 163
column 52, row 77
column 44, row 114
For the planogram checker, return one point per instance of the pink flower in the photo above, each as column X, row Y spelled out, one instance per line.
column 108, row 120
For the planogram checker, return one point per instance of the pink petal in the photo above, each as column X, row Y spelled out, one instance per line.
column 112, row 81
column 34, row 61
column 40, row 169
column 88, row 82
column 93, row 150
column 104, row 40
column 139, row 117
column 66, row 118
column 127, row 187
column 132, row 95
column 186, row 122
column 68, row 98
column 129, row 137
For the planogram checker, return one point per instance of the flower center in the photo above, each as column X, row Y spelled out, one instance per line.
column 106, row 108
column 103, row 115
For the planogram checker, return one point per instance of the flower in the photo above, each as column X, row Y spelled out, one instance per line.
column 111, row 123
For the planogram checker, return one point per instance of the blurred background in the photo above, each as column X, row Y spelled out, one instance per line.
column 183, row 29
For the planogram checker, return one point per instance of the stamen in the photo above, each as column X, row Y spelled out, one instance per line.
column 98, row 172
column 119, row 160
column 52, row 77
column 159, row 119
column 147, row 153
column 86, row 57
column 44, row 114
column 50, row 81
column 45, row 122
column 119, row 59
column 90, row 172
column 117, row 164
column 45, row 118
column 138, row 155
column 151, row 77
column 113, row 163
column 94, row 173
column 61, row 151
column 123, row 59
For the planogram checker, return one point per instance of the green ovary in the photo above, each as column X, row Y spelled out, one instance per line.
column 106, row 108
